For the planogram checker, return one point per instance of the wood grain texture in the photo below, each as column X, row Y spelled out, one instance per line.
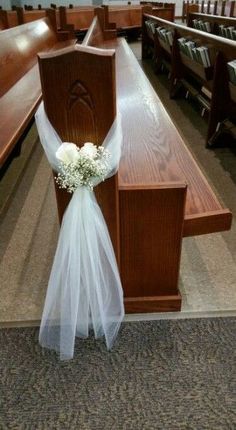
column 18, row 50
column 20, row 88
column 154, row 151
column 86, row 78
column 83, row 110
column 151, row 225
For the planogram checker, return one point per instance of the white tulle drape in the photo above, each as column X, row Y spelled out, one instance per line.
column 84, row 290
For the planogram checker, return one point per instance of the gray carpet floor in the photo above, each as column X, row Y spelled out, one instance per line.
column 161, row 375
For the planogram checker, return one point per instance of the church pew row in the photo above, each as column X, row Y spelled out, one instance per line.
column 223, row 8
column 126, row 18
column 20, row 89
column 8, row 19
column 210, row 84
column 78, row 19
column 210, row 23
column 159, row 194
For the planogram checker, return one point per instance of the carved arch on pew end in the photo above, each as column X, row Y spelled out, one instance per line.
column 78, row 88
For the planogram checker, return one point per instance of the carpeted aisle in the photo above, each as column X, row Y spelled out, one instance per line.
column 160, row 375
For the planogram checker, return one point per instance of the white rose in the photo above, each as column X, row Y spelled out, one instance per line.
column 89, row 150
column 67, row 152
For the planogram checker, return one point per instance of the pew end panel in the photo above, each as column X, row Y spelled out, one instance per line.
column 82, row 99
column 152, row 219
column 78, row 87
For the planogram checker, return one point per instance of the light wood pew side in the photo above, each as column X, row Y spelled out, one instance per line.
column 159, row 193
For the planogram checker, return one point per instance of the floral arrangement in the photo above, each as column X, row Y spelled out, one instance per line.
column 81, row 166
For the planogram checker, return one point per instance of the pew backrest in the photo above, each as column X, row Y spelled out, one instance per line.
column 20, row 89
column 78, row 98
column 19, row 47
column 215, row 43
column 81, row 17
column 25, row 16
column 214, row 20
column 8, row 19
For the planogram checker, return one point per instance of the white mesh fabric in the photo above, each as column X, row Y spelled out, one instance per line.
column 84, row 290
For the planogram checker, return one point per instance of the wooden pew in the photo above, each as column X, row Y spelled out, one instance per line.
column 25, row 16
column 126, row 18
column 197, row 79
column 223, row 8
column 214, row 20
column 77, row 19
column 28, row 15
column 167, row 13
column 8, row 19
column 20, row 89
column 159, row 194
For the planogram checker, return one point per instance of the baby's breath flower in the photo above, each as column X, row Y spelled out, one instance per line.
column 90, row 164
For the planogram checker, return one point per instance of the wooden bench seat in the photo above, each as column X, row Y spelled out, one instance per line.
column 20, row 88
column 146, row 205
column 156, row 149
